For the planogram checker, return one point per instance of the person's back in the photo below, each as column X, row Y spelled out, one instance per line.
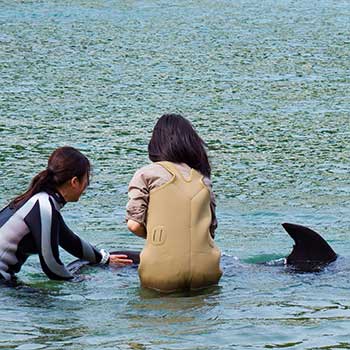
column 179, row 253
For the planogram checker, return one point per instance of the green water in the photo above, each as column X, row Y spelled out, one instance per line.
column 266, row 84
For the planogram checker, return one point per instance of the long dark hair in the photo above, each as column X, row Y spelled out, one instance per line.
column 64, row 164
column 175, row 140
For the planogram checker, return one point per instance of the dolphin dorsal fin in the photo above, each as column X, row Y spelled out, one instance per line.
column 309, row 247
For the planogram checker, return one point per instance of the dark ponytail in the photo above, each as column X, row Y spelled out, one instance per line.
column 64, row 164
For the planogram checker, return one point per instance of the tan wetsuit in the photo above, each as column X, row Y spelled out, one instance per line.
column 179, row 252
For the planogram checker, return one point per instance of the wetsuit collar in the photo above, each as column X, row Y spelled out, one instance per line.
column 58, row 198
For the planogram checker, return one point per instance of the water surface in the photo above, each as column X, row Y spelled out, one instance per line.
column 266, row 84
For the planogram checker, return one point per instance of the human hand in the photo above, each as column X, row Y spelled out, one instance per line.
column 119, row 260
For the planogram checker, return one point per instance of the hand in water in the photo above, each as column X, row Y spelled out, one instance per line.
column 119, row 260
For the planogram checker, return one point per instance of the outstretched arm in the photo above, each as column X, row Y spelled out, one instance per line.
column 84, row 250
column 75, row 245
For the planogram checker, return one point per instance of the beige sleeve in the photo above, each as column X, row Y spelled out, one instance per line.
column 138, row 194
column 144, row 180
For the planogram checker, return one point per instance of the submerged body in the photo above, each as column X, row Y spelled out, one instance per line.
column 310, row 253
column 37, row 227
column 180, row 252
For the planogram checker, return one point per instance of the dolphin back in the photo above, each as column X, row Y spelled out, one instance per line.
column 310, row 249
column 131, row 254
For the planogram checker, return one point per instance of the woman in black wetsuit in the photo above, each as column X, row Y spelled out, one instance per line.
column 32, row 223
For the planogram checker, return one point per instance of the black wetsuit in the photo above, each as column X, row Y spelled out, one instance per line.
column 37, row 227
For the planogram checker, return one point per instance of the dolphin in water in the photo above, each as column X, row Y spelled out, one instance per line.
column 78, row 264
column 310, row 251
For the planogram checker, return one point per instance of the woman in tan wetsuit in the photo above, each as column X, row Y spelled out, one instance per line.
column 172, row 206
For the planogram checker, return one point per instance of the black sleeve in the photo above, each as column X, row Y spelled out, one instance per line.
column 43, row 223
column 76, row 246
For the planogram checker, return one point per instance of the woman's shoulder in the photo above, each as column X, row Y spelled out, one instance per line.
column 39, row 196
column 150, row 170
column 157, row 170
column 152, row 175
column 46, row 198
column 149, row 167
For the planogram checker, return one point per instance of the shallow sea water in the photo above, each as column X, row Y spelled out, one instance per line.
column 265, row 83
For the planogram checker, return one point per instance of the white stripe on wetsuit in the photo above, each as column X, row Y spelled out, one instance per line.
column 46, row 249
column 11, row 233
